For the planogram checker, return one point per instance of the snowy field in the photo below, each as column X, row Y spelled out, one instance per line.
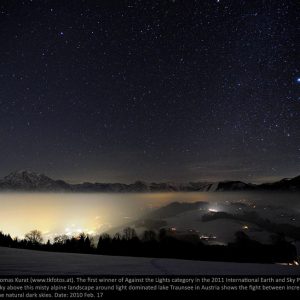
column 29, row 262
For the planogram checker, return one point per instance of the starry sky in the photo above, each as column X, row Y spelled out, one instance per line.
column 118, row 91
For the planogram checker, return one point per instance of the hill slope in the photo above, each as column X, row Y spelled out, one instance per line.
column 29, row 262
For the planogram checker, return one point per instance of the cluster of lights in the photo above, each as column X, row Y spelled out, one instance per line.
column 207, row 237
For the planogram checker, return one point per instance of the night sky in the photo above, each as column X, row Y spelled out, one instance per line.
column 118, row 91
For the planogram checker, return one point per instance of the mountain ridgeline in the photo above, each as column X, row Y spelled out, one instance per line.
column 29, row 181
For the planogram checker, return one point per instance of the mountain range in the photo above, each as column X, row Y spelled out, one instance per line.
column 30, row 181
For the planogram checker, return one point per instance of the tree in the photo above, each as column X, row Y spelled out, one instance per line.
column 104, row 241
column 5, row 239
column 149, row 236
column 81, row 241
column 61, row 239
column 87, row 243
column 34, row 237
column 129, row 233
column 48, row 245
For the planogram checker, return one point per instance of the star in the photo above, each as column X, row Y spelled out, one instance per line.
column 153, row 77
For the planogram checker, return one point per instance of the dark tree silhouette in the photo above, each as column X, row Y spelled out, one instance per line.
column 162, row 234
column 104, row 243
column 129, row 233
column 61, row 239
column 168, row 244
column 5, row 240
column 35, row 237
column 149, row 235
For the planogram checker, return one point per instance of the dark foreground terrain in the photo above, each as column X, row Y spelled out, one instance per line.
column 31, row 262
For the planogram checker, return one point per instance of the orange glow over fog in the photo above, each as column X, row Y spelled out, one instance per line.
column 55, row 213
column 67, row 213
column 70, row 213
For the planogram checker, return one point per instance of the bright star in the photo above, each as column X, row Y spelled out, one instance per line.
column 298, row 80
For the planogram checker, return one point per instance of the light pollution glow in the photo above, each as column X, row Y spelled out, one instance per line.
column 70, row 213
column 62, row 213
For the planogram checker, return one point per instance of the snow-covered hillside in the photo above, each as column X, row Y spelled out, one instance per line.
column 29, row 262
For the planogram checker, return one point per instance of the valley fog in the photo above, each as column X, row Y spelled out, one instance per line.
column 67, row 213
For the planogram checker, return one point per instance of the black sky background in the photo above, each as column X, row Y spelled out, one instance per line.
column 151, row 90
